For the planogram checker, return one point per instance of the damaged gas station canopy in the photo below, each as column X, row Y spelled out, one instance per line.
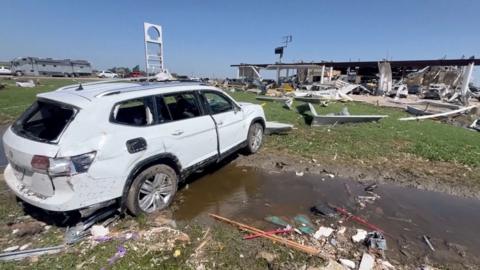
column 445, row 79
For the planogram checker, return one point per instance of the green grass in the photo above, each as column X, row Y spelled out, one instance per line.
column 388, row 138
column 14, row 100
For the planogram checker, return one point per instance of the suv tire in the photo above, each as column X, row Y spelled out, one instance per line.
column 152, row 190
column 254, row 138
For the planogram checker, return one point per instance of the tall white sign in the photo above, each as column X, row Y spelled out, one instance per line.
column 153, row 49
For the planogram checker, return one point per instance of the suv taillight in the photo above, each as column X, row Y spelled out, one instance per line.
column 64, row 166
column 40, row 163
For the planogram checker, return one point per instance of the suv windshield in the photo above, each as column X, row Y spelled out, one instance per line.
column 44, row 120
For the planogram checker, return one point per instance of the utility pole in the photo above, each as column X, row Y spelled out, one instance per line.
column 279, row 51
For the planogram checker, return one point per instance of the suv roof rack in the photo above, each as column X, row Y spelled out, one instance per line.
column 145, row 80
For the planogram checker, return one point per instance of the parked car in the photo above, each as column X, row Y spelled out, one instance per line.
column 107, row 74
column 5, row 71
column 136, row 74
column 84, row 147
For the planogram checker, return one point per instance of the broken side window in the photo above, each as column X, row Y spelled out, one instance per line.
column 163, row 115
column 134, row 112
column 182, row 105
column 44, row 120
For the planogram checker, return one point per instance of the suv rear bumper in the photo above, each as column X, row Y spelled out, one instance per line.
column 66, row 197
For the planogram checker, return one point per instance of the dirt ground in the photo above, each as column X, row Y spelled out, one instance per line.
column 411, row 172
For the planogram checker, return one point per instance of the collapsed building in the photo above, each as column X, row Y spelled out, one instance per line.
column 445, row 79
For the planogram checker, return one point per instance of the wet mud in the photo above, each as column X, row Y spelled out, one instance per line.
column 405, row 214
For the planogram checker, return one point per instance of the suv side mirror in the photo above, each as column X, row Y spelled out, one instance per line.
column 236, row 109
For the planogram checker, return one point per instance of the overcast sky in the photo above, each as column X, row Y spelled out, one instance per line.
column 202, row 38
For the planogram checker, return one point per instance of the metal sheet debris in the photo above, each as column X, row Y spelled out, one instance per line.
column 341, row 118
column 445, row 114
column 18, row 255
column 277, row 128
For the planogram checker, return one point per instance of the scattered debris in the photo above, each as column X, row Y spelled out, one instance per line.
column 323, row 210
column 121, row 251
column 299, row 173
column 376, row 241
column 305, row 224
column 371, row 187
column 278, row 221
column 12, row 248
column 444, row 114
column 475, row 125
column 357, row 219
column 347, row 263
column 279, row 231
column 25, row 246
column 333, row 265
column 387, row 264
column 27, row 84
column 27, row 228
column 276, row 239
column 426, row 239
column 267, row 256
column 75, row 234
column 18, row 255
column 277, row 128
column 270, row 98
column 177, row 253
column 367, row 263
column 359, row 236
column 99, row 231
column 323, row 232
column 341, row 118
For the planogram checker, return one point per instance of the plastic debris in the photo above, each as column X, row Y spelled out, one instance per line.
column 25, row 246
column 371, row 187
column 277, row 221
column 376, row 240
column 279, row 231
column 28, row 84
column 98, row 231
column 323, row 232
column 299, row 173
column 305, row 225
column 12, row 248
column 177, row 253
column 323, row 210
column 356, row 218
column 367, row 263
column 347, row 263
column 359, row 236
column 121, row 251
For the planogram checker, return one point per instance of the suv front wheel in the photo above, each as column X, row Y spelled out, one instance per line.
column 152, row 190
column 255, row 138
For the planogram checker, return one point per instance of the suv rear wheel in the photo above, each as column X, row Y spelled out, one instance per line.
column 152, row 190
column 255, row 138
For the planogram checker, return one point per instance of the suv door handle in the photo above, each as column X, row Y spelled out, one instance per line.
column 220, row 123
column 177, row 132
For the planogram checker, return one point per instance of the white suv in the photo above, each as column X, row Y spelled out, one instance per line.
column 80, row 147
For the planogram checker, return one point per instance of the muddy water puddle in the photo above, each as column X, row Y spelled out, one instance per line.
column 405, row 214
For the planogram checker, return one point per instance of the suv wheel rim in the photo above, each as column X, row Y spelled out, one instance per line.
column 257, row 138
column 155, row 192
